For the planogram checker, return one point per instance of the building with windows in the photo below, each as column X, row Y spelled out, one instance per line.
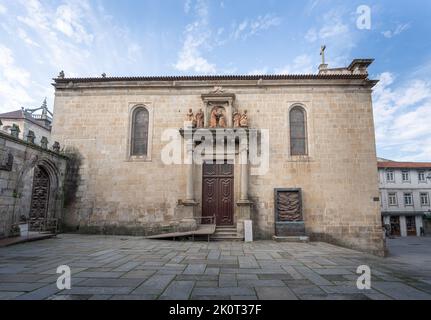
column 286, row 152
column 32, row 125
column 405, row 189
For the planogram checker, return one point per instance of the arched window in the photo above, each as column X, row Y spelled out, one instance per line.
column 298, row 134
column 139, row 143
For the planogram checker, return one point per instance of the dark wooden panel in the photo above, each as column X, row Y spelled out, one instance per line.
column 218, row 193
column 225, row 212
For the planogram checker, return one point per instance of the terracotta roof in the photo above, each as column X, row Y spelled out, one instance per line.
column 217, row 77
column 402, row 165
column 20, row 114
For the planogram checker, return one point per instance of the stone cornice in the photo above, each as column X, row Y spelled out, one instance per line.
column 211, row 81
column 30, row 145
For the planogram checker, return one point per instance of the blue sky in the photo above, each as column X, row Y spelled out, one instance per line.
column 89, row 37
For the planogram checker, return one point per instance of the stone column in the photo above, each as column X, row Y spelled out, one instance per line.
column 244, row 182
column 243, row 204
column 244, row 170
column 190, row 197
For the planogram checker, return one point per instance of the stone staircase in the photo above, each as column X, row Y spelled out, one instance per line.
column 227, row 233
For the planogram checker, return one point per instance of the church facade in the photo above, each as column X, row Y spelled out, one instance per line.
column 295, row 154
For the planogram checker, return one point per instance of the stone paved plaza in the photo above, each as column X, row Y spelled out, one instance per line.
column 114, row 267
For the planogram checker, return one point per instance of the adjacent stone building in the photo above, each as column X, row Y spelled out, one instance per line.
column 28, row 124
column 405, row 189
column 31, row 183
column 316, row 132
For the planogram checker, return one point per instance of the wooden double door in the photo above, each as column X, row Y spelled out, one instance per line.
column 40, row 193
column 218, row 192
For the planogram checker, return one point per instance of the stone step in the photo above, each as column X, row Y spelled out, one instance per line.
column 216, row 237
column 291, row 239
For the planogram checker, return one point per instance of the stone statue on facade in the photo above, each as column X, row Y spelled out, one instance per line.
column 221, row 119
column 244, row 119
column 236, row 119
column 199, row 119
column 190, row 118
column 213, row 118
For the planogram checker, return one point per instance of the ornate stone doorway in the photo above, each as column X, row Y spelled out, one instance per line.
column 40, row 193
column 218, row 192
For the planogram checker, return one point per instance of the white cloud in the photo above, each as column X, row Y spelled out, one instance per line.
column 333, row 26
column 302, row 64
column 187, row 6
column 249, row 28
column 399, row 29
column 68, row 21
column 259, row 71
column 74, row 36
column 3, row 9
column 13, row 82
column 402, row 116
column 23, row 36
column 196, row 35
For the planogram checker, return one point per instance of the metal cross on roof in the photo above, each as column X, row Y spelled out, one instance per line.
column 322, row 53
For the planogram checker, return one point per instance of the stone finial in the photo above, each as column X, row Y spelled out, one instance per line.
column 44, row 142
column 30, row 136
column 56, row 146
column 14, row 131
column 61, row 75
column 104, row 75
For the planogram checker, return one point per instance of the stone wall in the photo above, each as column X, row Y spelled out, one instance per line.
column 338, row 178
column 16, row 181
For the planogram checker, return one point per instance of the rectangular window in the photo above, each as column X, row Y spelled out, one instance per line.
column 406, row 176
column 408, row 199
column 421, row 176
column 425, row 200
column 390, row 176
column 392, row 199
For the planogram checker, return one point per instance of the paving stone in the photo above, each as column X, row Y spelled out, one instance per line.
column 292, row 272
column 106, row 267
column 227, row 280
column 226, row 291
column 100, row 297
column 275, row 276
column 195, row 269
column 275, row 293
column 154, row 285
column 134, row 297
column 41, row 293
column 96, row 290
column 178, row 290
column 312, row 276
column 6, row 295
column 206, row 284
column 101, row 274
column 109, row 282
column 398, row 290
column 260, row 283
column 20, row 286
